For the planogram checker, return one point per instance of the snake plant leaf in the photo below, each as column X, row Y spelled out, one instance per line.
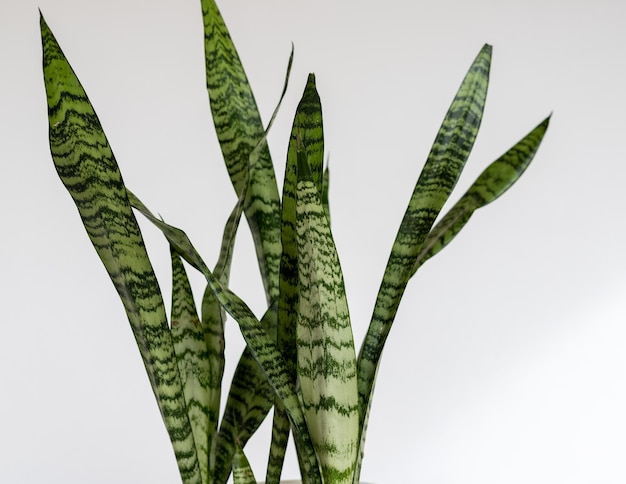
column 445, row 162
column 496, row 179
column 222, row 268
column 86, row 165
column 242, row 471
column 248, row 417
column 307, row 130
column 278, row 444
column 325, row 345
column 239, row 127
column 261, row 344
column 199, row 351
column 249, row 401
column 326, row 190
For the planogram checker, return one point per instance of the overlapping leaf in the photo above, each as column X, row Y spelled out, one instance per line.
column 249, row 401
column 86, row 165
column 238, row 126
column 242, row 472
column 493, row 182
column 325, row 346
column 262, row 346
column 307, row 130
column 445, row 162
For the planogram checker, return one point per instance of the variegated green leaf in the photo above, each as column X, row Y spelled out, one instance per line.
column 445, row 162
column 86, row 165
column 278, row 444
column 493, row 182
column 261, row 344
column 325, row 345
column 199, row 351
column 242, row 472
column 241, row 418
column 238, row 126
column 326, row 191
column 249, row 401
column 308, row 131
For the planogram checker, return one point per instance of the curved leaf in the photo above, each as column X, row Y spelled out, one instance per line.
column 86, row 165
column 239, row 128
column 261, row 344
column 445, row 162
column 493, row 182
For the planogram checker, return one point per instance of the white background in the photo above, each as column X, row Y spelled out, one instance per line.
column 507, row 361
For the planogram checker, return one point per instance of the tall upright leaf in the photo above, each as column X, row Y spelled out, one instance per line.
column 445, row 162
column 325, row 345
column 199, row 351
column 249, row 401
column 261, row 344
column 306, row 132
column 239, row 127
column 242, row 415
column 86, row 165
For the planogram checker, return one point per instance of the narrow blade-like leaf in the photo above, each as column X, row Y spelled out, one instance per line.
column 325, row 345
column 326, row 190
column 242, row 472
column 249, row 401
column 261, row 344
column 308, row 131
column 87, row 168
column 493, row 182
column 239, row 127
column 445, row 162
column 200, row 363
column 278, row 444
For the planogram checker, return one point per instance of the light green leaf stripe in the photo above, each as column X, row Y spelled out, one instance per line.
column 249, row 401
column 261, row 344
column 326, row 355
column 493, row 182
column 195, row 358
column 242, row 472
column 445, row 162
column 86, row 165
column 307, row 130
column 238, row 126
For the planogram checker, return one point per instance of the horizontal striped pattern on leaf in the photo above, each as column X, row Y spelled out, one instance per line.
column 86, row 165
column 445, row 162
column 249, row 401
column 493, row 182
column 242, row 472
column 261, row 344
column 307, row 130
column 196, row 361
column 325, row 345
column 239, row 128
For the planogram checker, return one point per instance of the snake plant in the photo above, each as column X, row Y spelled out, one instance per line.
column 300, row 356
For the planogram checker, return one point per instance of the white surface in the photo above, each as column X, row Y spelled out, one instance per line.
column 511, row 339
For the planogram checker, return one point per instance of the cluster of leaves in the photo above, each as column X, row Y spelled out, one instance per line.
column 300, row 357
